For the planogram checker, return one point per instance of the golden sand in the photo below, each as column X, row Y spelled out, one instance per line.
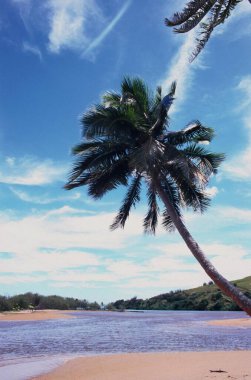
column 158, row 366
column 39, row 315
column 240, row 322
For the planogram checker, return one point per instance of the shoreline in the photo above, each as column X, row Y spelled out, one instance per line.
column 235, row 322
column 38, row 315
column 215, row 365
column 45, row 314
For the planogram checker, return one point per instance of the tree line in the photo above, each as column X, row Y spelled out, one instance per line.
column 35, row 301
column 208, row 297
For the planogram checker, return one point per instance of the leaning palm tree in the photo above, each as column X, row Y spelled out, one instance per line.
column 214, row 12
column 127, row 142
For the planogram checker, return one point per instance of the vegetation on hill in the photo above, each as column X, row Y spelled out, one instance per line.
column 37, row 301
column 206, row 297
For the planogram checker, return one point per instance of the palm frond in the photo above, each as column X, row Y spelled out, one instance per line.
column 147, row 156
column 107, row 179
column 214, row 12
column 78, row 180
column 207, row 29
column 206, row 161
column 135, row 89
column 194, row 20
column 161, row 112
column 151, row 218
column 226, row 10
column 92, row 156
column 100, row 122
column 85, row 146
column 191, row 195
column 130, row 200
column 111, row 99
column 191, row 8
column 194, row 132
column 171, row 191
column 176, row 162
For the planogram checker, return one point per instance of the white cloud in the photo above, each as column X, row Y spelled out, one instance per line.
column 239, row 168
column 181, row 71
column 239, row 14
column 55, row 243
column 212, row 191
column 63, row 229
column 43, row 199
column 68, row 20
column 235, row 214
column 97, row 41
column 27, row 47
column 49, row 262
column 77, row 25
column 53, row 247
column 31, row 171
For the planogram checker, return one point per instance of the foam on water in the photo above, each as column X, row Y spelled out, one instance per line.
column 24, row 369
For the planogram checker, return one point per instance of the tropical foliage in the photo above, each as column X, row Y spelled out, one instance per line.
column 213, row 12
column 206, row 297
column 38, row 301
column 127, row 142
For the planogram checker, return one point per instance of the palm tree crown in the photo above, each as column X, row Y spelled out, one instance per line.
column 215, row 12
column 127, row 142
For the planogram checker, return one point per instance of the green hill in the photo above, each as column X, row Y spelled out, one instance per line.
column 206, row 297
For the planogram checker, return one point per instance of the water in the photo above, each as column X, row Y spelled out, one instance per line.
column 110, row 332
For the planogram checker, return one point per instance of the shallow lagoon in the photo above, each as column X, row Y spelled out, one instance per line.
column 92, row 333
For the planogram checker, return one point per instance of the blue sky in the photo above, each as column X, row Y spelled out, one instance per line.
column 57, row 58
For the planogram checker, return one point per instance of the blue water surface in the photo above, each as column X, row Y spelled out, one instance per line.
column 112, row 332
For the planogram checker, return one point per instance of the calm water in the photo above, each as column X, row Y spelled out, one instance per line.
column 105, row 332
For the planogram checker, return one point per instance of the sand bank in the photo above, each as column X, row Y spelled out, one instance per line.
column 157, row 366
column 240, row 322
column 37, row 315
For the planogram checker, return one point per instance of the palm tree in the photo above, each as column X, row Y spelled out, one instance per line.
column 215, row 11
column 127, row 142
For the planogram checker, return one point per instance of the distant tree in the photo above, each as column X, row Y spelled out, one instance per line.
column 4, row 304
column 127, row 142
column 215, row 12
column 94, row 306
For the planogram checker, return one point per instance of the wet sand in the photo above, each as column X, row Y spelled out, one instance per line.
column 38, row 315
column 240, row 322
column 157, row 366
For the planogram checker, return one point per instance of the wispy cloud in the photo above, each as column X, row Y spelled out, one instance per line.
column 212, row 191
column 53, row 247
column 77, row 25
column 68, row 21
column 239, row 168
column 27, row 47
column 181, row 71
column 240, row 14
column 43, row 199
column 97, row 41
column 31, row 171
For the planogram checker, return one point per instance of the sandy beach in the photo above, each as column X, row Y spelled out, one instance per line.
column 238, row 322
column 157, row 366
column 38, row 315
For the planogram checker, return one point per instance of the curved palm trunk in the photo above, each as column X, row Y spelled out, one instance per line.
column 230, row 290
